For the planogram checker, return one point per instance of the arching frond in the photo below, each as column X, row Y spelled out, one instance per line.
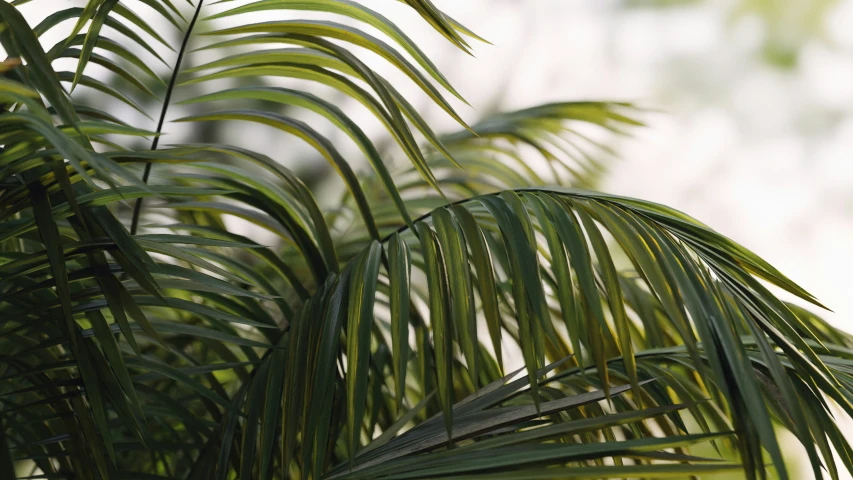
column 143, row 336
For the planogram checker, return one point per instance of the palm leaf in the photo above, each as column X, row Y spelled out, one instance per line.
column 146, row 339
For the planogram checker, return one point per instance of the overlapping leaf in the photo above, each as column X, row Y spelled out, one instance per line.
column 152, row 338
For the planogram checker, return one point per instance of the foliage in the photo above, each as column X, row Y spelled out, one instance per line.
column 144, row 338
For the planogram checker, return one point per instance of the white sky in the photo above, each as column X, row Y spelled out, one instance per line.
column 762, row 154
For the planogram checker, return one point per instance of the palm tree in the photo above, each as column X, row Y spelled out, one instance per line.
column 144, row 336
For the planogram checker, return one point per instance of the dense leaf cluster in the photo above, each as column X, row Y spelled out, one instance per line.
column 141, row 337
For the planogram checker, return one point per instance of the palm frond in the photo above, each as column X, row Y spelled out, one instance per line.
column 149, row 340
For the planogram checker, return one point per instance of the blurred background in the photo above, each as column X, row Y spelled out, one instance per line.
column 753, row 126
column 750, row 127
column 754, row 134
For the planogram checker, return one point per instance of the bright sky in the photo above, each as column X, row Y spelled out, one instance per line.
column 761, row 153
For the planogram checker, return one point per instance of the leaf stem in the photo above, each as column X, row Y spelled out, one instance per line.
column 137, row 208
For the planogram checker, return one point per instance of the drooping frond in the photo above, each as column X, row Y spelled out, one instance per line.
column 144, row 338
column 491, row 156
column 715, row 341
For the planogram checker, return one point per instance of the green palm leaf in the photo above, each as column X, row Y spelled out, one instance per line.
column 144, row 336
